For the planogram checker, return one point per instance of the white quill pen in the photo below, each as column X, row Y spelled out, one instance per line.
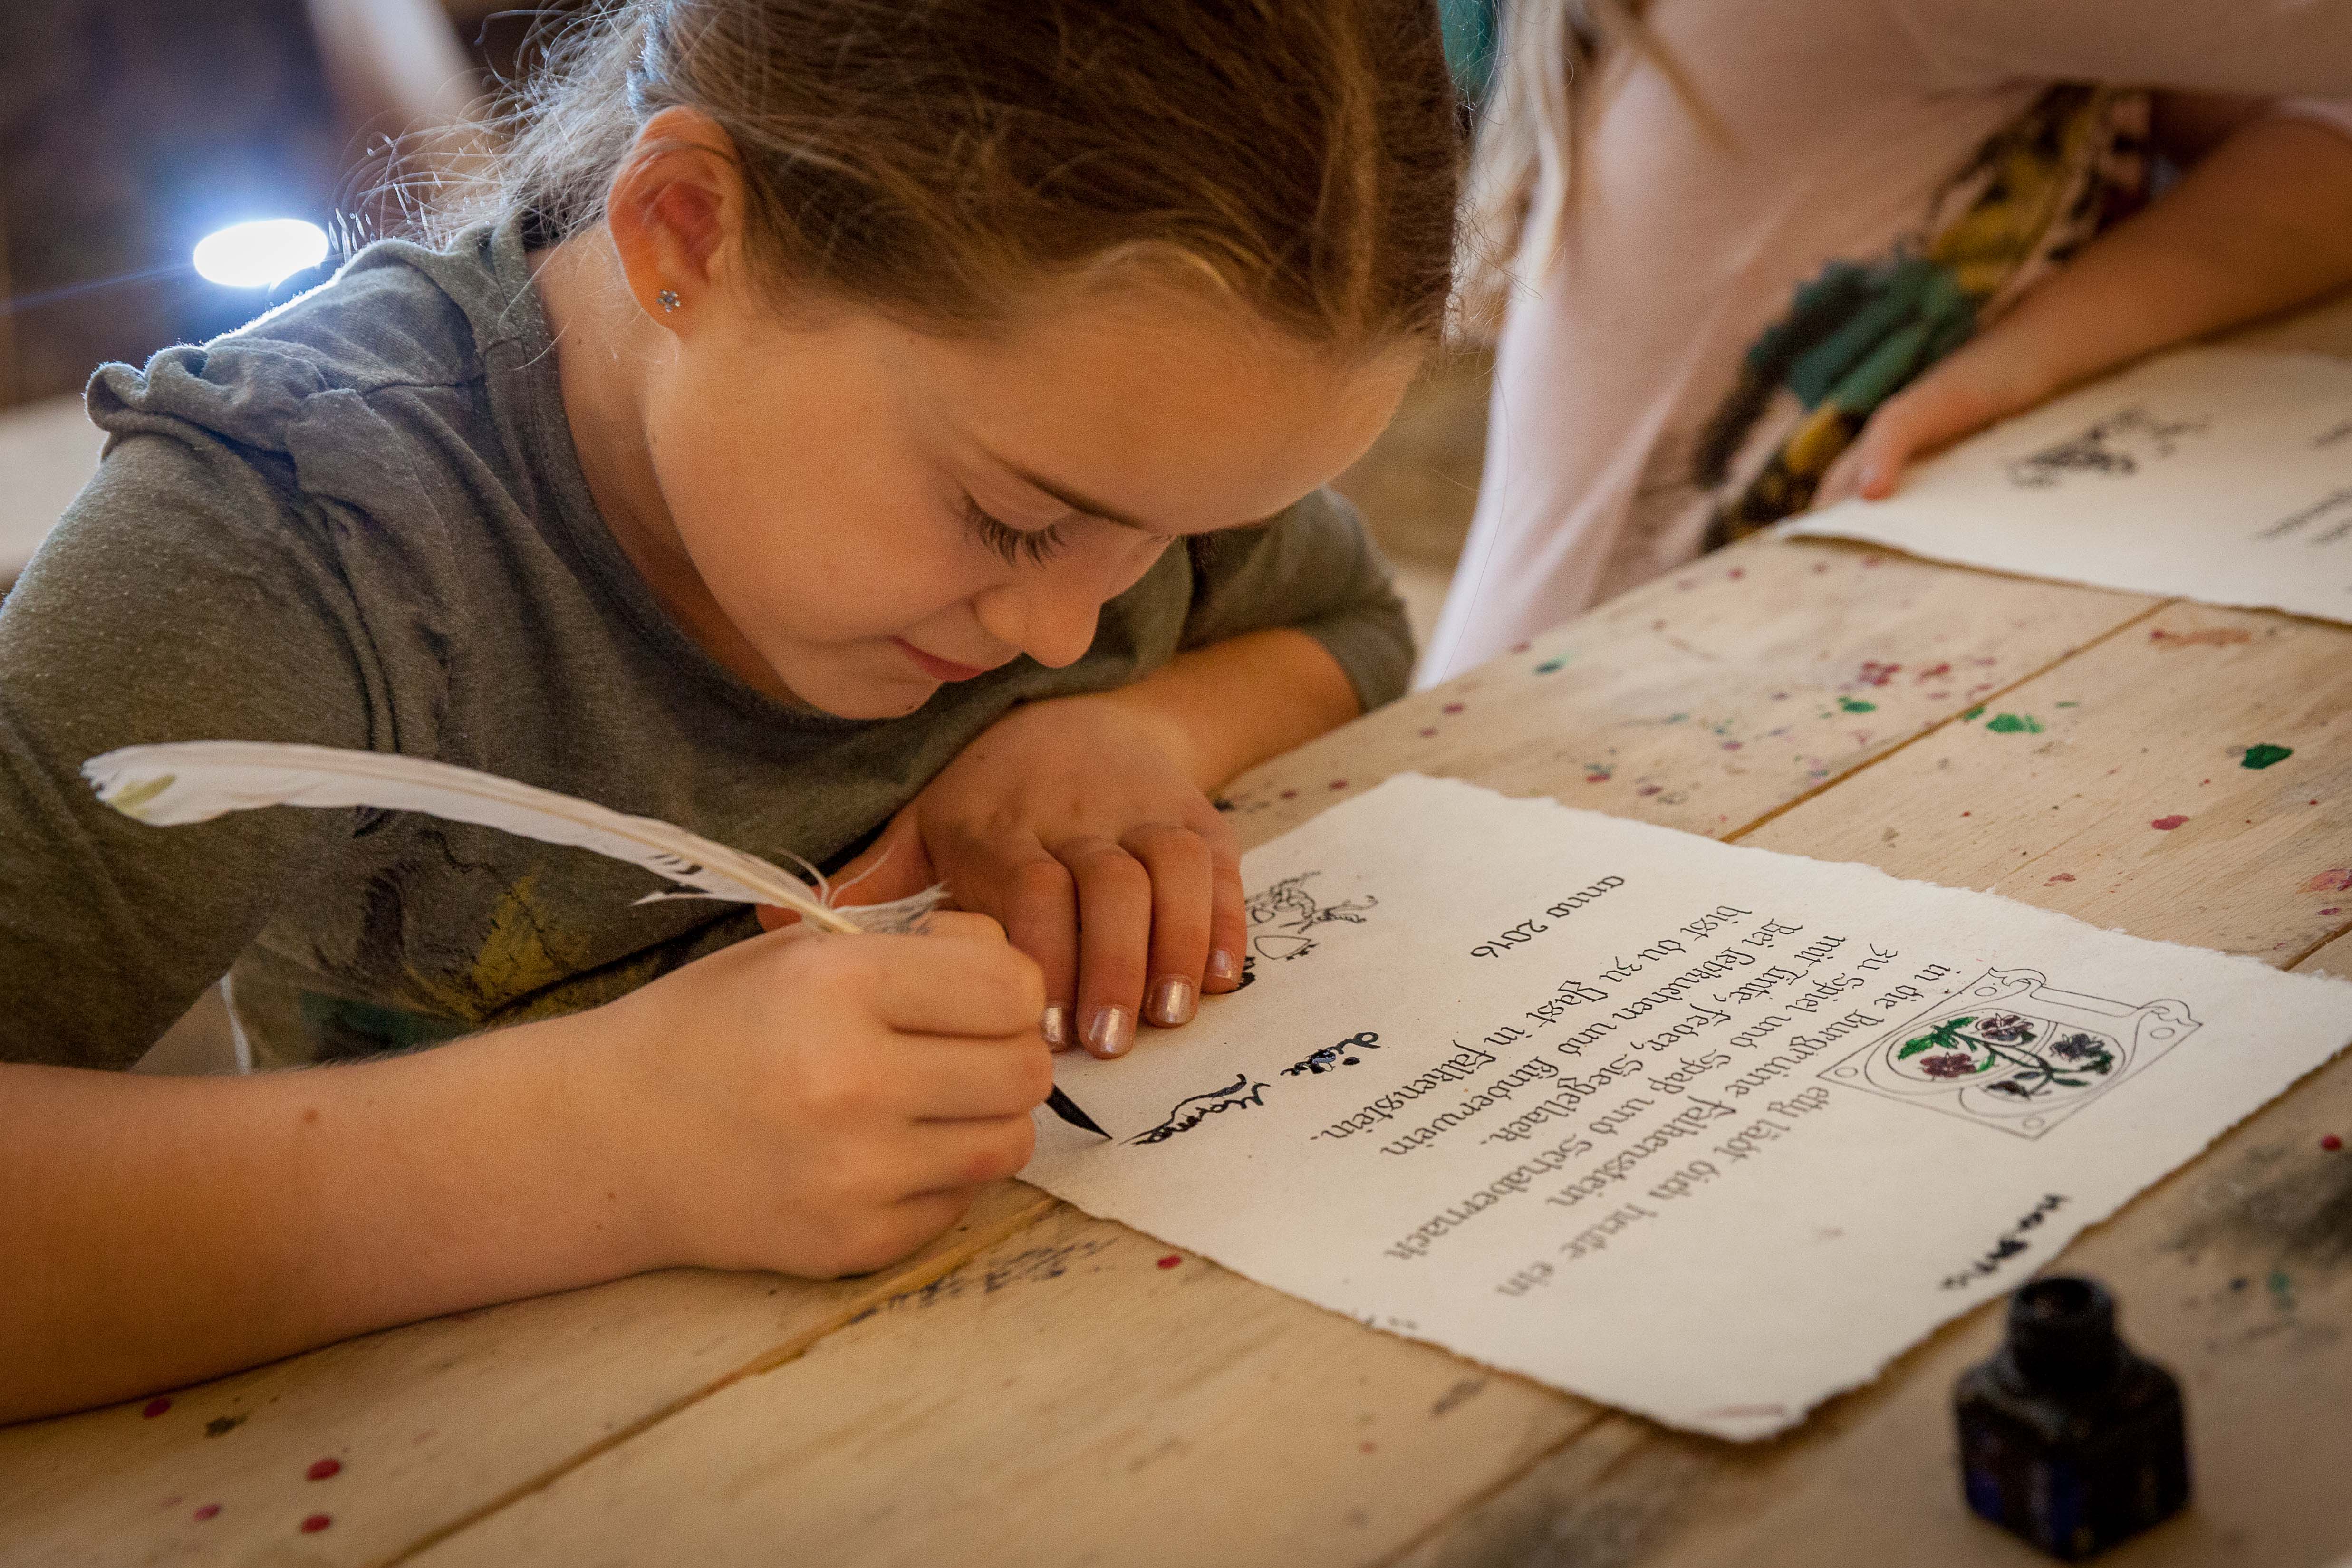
column 196, row 780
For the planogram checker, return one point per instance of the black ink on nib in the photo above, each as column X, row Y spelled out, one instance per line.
column 2067, row 1438
column 1065, row 1107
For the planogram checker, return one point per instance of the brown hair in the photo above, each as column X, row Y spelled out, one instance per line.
column 929, row 157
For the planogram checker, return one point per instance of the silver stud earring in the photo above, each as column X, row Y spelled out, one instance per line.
column 669, row 299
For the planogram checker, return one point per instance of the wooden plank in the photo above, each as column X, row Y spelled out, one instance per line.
column 430, row 1424
column 1082, row 1394
column 966, row 1399
column 1711, row 698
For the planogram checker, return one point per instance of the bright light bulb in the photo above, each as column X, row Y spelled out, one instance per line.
column 260, row 255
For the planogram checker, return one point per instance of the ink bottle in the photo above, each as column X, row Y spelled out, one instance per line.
column 2067, row 1438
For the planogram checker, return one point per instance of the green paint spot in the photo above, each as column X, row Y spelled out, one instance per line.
column 1972, row 714
column 2070, row 705
column 2014, row 724
column 2262, row 756
column 1549, row 665
column 1856, row 705
column 2281, row 1290
column 129, row 801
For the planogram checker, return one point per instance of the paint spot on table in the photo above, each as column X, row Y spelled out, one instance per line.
column 1290, row 795
column 1933, row 672
column 1369, row 1447
column 220, row 1424
column 1873, row 674
column 1820, row 567
column 1736, row 572
column 1519, row 647
column 2331, row 1143
column 1549, row 665
column 1596, row 778
column 2335, row 878
column 1428, row 732
column 155, row 1407
column 2014, row 723
column 174, row 1501
column 2061, row 876
column 1451, row 707
column 2166, row 824
column 321, row 1469
column 316, row 1522
column 1856, row 705
column 2210, row 637
column 2261, row 757
column 210, row 1511
column 1172, row 1259
column 2281, row 1290
column 1973, row 716
column 1338, row 783
column 2070, row 705
column 1649, row 789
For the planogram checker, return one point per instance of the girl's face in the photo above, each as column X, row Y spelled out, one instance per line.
column 850, row 513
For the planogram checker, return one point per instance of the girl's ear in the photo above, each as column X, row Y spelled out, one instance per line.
column 675, row 211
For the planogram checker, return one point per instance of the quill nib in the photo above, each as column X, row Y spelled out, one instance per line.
column 1065, row 1107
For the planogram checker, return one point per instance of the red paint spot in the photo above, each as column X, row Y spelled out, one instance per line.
column 2331, row 912
column 1369, row 1447
column 1519, row 647
column 209, row 1511
column 1818, row 569
column 2331, row 1143
column 1872, row 559
column 1172, row 1259
column 1731, row 746
column 1649, row 788
column 1596, row 778
column 2166, row 824
column 1738, row 572
column 2061, row 876
column 2335, row 878
column 1451, row 707
column 321, row 1469
column 1430, row 731
column 1874, row 673
column 155, row 1408
column 1967, row 813
column 316, row 1522
column 1290, row 794
column 174, row 1501
column 1933, row 670
column 1338, row 783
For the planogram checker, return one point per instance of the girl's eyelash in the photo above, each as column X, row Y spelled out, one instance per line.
column 1010, row 542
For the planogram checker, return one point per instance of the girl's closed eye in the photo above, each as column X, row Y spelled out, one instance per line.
column 1038, row 546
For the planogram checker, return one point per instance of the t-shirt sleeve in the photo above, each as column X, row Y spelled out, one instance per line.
column 186, row 594
column 1312, row 569
column 2194, row 46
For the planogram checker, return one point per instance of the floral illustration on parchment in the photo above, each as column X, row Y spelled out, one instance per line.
column 2008, row 1050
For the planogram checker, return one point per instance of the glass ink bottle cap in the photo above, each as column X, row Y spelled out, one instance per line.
column 2061, row 1333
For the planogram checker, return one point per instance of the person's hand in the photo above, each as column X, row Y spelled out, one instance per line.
column 1983, row 383
column 823, row 1104
column 1076, row 822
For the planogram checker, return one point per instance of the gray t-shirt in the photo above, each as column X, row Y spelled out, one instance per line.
column 361, row 522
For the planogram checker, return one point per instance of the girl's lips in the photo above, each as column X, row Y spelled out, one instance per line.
column 938, row 669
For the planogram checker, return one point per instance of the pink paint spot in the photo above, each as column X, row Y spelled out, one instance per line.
column 1938, row 697
column 2166, row 824
column 2333, row 880
column 1818, row 569
column 2331, row 912
column 1967, row 813
column 1874, row 673
column 2061, row 876
column 2331, row 1143
column 1596, row 778
column 1738, row 572
column 1172, row 1259
column 1338, row 783
column 210, row 1511
column 1369, row 1447
column 1649, row 789
column 321, row 1469
column 1731, row 746
column 316, row 1522
column 1290, row 794
column 174, row 1501
column 1932, row 670
column 1428, row 732
column 155, row 1408
column 1872, row 559
column 1451, row 707
column 1519, row 647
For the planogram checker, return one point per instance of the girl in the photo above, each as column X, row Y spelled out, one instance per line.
column 1721, row 236
column 846, row 414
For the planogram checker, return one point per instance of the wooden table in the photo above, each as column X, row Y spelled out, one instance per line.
column 1038, row 1388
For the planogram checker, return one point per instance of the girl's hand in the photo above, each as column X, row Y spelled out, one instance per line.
column 1077, row 823
column 823, row 1104
column 1957, row 397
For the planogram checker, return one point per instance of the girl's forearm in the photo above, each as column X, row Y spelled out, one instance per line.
column 2262, row 224
column 160, row 1230
column 1230, row 706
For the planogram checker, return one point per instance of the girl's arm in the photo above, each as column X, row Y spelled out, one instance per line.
column 2262, row 224
column 814, row 1104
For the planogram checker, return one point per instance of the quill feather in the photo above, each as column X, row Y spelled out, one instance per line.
column 196, row 780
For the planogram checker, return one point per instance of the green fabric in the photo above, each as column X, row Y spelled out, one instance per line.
column 359, row 522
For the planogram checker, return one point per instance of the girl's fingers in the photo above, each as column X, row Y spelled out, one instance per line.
column 893, row 866
column 964, row 1080
column 944, row 1156
column 1114, row 938
column 1181, row 894
column 1040, row 903
column 1228, row 921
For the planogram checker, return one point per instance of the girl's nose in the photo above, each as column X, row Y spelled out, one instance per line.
column 1048, row 616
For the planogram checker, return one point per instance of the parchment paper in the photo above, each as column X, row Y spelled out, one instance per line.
column 1704, row 1132
column 2221, row 474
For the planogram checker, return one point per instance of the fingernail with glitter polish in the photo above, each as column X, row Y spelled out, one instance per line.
column 1223, row 965
column 1171, row 1001
column 1111, row 1032
column 1056, row 1026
